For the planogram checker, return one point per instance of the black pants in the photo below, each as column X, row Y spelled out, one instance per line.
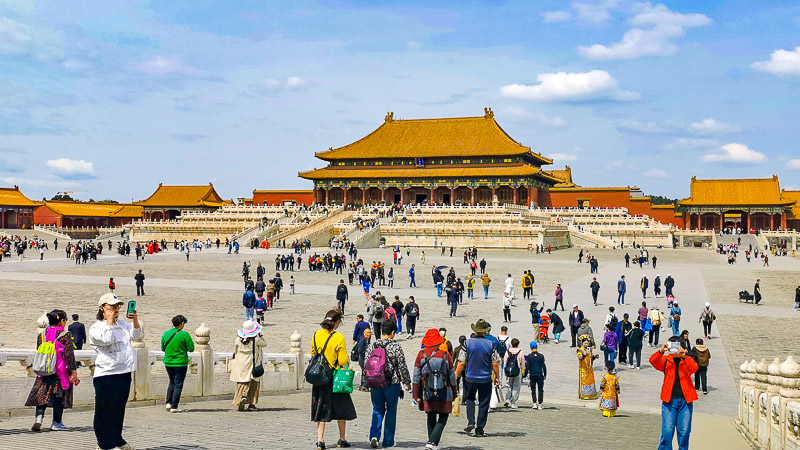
column 559, row 302
column 341, row 305
column 483, row 391
column 176, row 377
column 411, row 325
column 278, row 295
column 436, row 424
column 58, row 409
column 507, row 314
column 700, row 380
column 376, row 328
column 594, row 297
column 622, row 352
column 139, row 290
column 707, row 328
column 110, row 398
column 652, row 337
column 537, row 387
column 635, row 352
column 573, row 331
column 453, row 308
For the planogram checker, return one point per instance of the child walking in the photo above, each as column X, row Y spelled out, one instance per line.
column 111, row 284
column 291, row 285
column 609, row 386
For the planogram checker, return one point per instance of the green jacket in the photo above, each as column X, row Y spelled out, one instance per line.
column 175, row 354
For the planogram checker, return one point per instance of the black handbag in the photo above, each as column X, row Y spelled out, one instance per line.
column 258, row 370
column 319, row 372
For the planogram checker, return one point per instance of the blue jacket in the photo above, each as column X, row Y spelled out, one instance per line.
column 621, row 286
column 249, row 299
column 479, row 365
column 358, row 332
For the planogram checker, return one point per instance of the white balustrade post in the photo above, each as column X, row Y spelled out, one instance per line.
column 296, row 348
column 759, row 388
column 767, row 419
column 141, row 377
column 203, row 346
column 789, row 392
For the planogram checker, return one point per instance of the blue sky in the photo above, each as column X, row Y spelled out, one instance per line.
column 113, row 98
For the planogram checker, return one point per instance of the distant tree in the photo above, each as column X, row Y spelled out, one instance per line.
column 659, row 200
column 64, row 197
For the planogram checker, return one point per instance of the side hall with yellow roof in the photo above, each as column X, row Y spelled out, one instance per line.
column 748, row 204
column 469, row 160
column 73, row 214
column 167, row 202
column 16, row 210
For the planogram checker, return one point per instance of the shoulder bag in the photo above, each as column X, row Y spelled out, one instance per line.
column 258, row 370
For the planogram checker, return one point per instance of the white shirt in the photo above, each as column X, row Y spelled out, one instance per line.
column 509, row 282
column 609, row 317
column 115, row 355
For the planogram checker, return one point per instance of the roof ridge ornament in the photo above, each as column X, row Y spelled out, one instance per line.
column 389, row 117
column 488, row 113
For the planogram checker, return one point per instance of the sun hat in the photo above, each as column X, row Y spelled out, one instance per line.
column 481, row 326
column 432, row 338
column 109, row 299
column 249, row 329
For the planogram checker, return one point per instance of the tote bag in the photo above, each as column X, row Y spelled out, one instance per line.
column 343, row 380
column 648, row 326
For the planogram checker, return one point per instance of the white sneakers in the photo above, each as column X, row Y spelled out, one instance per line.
column 513, row 406
column 175, row 410
column 537, row 406
column 37, row 424
column 430, row 446
column 168, row 407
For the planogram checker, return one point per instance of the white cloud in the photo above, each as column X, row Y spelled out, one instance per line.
column 563, row 157
column 71, row 166
column 597, row 12
column 691, row 144
column 656, row 173
column 735, row 153
column 555, row 16
column 562, row 86
column 781, row 62
column 289, row 83
column 522, row 114
column 793, row 164
column 642, row 127
column 19, row 39
column 665, row 25
column 712, row 127
column 166, row 66
column 413, row 45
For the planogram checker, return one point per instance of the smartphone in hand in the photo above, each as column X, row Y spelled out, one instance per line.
column 131, row 308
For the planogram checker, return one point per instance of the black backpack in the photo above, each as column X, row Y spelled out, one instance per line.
column 512, row 366
column 613, row 323
column 413, row 311
column 319, row 372
column 501, row 348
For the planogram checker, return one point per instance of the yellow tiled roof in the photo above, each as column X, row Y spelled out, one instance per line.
column 732, row 192
column 13, row 197
column 86, row 209
column 564, row 175
column 433, row 172
column 427, row 138
column 183, row 196
column 793, row 195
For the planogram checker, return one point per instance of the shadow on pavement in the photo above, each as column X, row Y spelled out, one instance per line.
column 44, row 430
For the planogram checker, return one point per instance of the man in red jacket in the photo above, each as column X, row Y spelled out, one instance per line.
column 677, row 392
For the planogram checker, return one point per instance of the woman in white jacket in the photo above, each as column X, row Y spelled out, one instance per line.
column 114, row 364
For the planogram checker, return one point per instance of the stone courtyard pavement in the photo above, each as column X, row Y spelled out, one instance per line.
column 208, row 289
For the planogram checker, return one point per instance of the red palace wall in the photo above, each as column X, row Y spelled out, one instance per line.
column 46, row 216
column 278, row 197
column 609, row 198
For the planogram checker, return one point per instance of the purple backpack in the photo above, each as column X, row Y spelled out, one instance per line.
column 375, row 368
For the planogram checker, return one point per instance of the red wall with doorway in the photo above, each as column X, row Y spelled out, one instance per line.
column 279, row 196
column 46, row 216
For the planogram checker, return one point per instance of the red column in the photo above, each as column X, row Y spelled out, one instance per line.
column 515, row 194
column 783, row 220
column 721, row 220
column 431, row 199
column 345, row 189
column 363, row 196
column 493, row 192
column 327, row 200
column 472, row 202
column 452, row 195
column 383, row 193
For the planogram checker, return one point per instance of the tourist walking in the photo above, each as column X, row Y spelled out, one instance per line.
column 507, row 303
column 480, row 365
column 341, row 295
column 621, row 288
column 635, row 339
column 536, row 371
column 411, row 311
column 559, row 298
column 675, row 318
column 654, row 320
column 435, row 385
column 676, row 400
column 485, row 281
column 246, row 367
column 139, row 277
column 701, row 354
column 114, row 365
column 386, row 370
column 609, row 345
column 53, row 386
column 587, row 390
column 609, row 388
column 325, row 405
column 510, row 285
column 249, row 303
column 757, row 292
column 575, row 320
column 176, row 345
column 669, row 285
column 412, row 274
column 645, row 283
column 657, row 286
column 595, row 287
column 78, row 332
column 513, row 362
column 361, row 355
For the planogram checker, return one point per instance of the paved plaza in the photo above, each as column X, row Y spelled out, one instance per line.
column 208, row 289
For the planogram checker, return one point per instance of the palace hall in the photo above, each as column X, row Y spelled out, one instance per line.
column 466, row 160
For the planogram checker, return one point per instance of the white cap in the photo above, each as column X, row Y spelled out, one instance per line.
column 669, row 274
column 109, row 299
column 708, row 304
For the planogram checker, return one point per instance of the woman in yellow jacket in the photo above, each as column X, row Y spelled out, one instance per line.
column 325, row 405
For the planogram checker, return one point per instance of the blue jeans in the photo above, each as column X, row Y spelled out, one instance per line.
column 486, row 291
column 439, row 289
column 675, row 414
column 413, row 282
column 621, row 298
column 384, row 413
column 609, row 355
column 249, row 313
column 399, row 323
column 675, row 326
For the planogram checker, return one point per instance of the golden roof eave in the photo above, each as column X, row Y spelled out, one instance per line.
column 427, row 172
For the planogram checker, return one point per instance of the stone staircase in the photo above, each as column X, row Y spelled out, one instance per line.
column 318, row 231
column 581, row 238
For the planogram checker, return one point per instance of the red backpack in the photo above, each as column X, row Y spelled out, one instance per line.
column 389, row 314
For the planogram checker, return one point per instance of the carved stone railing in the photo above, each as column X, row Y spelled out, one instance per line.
column 207, row 376
column 769, row 403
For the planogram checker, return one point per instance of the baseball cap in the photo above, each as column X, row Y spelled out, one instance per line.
column 109, row 299
column 534, row 344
